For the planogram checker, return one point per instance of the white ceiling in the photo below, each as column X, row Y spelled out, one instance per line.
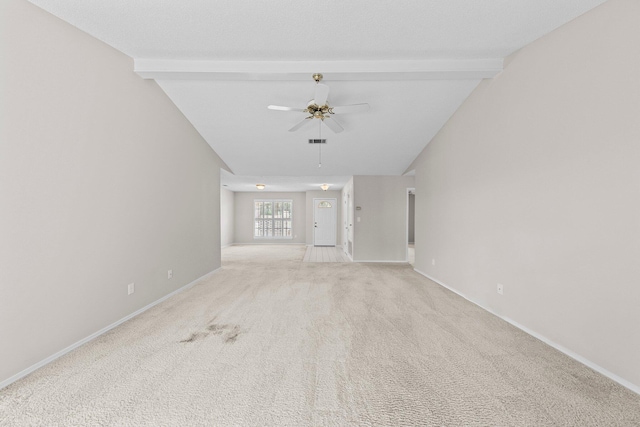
column 222, row 62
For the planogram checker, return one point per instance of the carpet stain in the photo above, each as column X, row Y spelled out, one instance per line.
column 195, row 336
column 216, row 329
column 231, row 333
column 232, row 336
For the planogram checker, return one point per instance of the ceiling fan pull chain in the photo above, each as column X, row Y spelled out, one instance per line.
column 320, row 145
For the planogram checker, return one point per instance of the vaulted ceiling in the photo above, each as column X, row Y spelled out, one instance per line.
column 222, row 62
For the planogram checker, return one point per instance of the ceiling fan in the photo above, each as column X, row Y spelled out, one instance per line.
column 318, row 108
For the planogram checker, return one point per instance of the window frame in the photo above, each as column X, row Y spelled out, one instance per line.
column 273, row 220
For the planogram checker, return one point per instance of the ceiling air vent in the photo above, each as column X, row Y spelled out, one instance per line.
column 317, row 141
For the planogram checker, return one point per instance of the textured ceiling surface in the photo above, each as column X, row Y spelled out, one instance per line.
column 232, row 116
column 325, row 30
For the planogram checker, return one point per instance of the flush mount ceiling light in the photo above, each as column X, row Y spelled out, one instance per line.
column 260, row 186
column 324, row 187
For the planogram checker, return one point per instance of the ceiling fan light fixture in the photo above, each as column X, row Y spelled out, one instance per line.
column 260, row 186
column 319, row 108
column 324, row 187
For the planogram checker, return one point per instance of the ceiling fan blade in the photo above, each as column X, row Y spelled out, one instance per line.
column 322, row 93
column 280, row 108
column 332, row 124
column 299, row 125
column 355, row 108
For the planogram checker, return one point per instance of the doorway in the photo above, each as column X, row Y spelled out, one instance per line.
column 347, row 219
column 411, row 210
column 324, row 222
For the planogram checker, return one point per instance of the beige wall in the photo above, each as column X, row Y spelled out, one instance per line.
column 534, row 183
column 103, row 182
column 244, row 217
column 381, row 233
column 310, row 195
column 227, row 217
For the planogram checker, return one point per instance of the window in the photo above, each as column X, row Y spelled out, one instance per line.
column 324, row 204
column 272, row 219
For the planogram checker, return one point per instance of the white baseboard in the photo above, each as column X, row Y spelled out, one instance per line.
column 268, row 243
column 392, row 262
column 85, row 340
column 560, row 348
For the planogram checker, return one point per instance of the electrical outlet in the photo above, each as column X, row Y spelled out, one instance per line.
column 433, row 261
column 499, row 289
column 131, row 288
column 170, row 274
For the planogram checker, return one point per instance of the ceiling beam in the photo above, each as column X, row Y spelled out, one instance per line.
column 435, row 69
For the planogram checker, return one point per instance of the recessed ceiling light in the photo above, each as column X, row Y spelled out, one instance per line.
column 260, row 186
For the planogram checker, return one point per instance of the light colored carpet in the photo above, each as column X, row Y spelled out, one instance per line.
column 270, row 340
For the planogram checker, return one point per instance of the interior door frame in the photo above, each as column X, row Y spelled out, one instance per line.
column 334, row 208
column 406, row 238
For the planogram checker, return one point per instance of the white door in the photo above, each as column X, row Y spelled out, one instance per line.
column 324, row 222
